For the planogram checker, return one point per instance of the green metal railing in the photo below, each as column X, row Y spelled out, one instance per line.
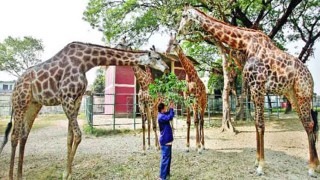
column 214, row 107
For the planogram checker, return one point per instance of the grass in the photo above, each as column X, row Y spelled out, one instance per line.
column 98, row 132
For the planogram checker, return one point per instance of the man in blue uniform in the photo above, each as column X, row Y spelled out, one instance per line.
column 166, row 138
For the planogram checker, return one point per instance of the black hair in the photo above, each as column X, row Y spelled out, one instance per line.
column 160, row 107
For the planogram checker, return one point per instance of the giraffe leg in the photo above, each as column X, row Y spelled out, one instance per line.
column 202, row 128
column 14, row 140
column 149, row 126
column 70, row 140
column 308, row 123
column 27, row 123
column 154, row 128
column 71, row 108
column 188, row 129
column 196, row 123
column 260, row 128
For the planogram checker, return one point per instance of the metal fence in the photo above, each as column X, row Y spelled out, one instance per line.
column 6, row 107
column 99, row 113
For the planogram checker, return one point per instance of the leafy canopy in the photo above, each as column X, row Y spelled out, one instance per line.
column 168, row 87
column 17, row 55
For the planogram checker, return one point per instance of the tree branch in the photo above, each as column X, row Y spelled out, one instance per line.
column 281, row 21
column 308, row 47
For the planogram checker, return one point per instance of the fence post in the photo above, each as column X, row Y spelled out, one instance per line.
column 134, row 111
column 208, row 108
column 114, row 110
column 89, row 108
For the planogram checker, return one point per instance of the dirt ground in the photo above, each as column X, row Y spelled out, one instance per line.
column 228, row 156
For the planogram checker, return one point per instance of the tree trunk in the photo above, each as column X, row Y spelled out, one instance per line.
column 240, row 114
column 226, row 118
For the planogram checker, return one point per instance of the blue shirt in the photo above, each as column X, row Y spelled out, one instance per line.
column 164, row 119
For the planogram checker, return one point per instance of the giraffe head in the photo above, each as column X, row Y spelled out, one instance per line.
column 173, row 43
column 154, row 60
column 188, row 15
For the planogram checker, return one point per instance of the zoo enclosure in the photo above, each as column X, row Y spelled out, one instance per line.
column 96, row 106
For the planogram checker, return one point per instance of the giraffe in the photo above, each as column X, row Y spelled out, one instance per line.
column 196, row 87
column 147, row 105
column 267, row 69
column 62, row 80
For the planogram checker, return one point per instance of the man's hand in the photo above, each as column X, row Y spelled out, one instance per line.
column 171, row 105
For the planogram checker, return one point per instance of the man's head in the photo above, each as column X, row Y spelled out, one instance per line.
column 162, row 108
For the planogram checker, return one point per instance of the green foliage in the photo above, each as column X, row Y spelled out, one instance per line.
column 215, row 82
column 99, row 82
column 169, row 87
column 138, row 20
column 17, row 55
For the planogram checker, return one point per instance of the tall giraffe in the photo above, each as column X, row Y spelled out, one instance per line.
column 267, row 69
column 196, row 88
column 62, row 80
column 147, row 105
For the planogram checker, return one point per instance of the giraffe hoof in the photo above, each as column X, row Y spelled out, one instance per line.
column 199, row 151
column 312, row 173
column 187, row 150
column 259, row 171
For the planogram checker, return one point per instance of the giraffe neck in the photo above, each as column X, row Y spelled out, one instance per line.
column 148, row 71
column 185, row 62
column 235, row 37
column 143, row 77
column 86, row 56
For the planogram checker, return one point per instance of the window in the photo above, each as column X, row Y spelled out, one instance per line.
column 5, row 87
column 10, row 87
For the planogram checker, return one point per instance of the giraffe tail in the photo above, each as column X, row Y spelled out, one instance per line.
column 314, row 115
column 6, row 134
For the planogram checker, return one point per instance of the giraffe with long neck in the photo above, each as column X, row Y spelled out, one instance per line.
column 267, row 69
column 195, row 88
column 147, row 105
column 62, row 80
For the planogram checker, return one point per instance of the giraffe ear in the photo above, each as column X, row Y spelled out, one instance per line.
column 153, row 48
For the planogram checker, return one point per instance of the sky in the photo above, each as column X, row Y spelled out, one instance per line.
column 59, row 22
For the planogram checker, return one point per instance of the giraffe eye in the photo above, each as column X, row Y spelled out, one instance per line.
column 184, row 16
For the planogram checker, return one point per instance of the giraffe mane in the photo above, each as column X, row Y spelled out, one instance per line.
column 108, row 47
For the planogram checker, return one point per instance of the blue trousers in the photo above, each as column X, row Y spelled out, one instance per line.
column 165, row 161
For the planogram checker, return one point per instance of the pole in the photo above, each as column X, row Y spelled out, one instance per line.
column 134, row 111
column 114, row 111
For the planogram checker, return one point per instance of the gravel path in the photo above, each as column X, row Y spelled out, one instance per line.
column 228, row 156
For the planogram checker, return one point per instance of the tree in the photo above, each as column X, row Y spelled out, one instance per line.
column 100, row 81
column 17, row 55
column 138, row 20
